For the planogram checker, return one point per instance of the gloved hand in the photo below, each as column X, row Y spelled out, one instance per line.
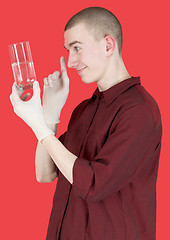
column 56, row 89
column 31, row 111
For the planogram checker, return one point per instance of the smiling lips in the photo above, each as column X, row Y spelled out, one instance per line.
column 81, row 70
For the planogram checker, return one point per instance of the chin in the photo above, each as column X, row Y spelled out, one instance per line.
column 87, row 81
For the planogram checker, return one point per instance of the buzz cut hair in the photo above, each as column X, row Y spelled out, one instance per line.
column 100, row 22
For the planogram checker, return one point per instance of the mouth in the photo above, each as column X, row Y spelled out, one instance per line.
column 81, row 70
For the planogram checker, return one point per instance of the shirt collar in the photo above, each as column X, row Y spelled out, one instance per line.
column 113, row 92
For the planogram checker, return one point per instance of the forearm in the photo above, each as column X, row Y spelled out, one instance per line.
column 63, row 158
column 44, row 165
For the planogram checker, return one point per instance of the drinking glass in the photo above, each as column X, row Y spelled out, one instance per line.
column 22, row 64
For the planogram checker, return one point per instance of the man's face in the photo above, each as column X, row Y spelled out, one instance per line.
column 86, row 54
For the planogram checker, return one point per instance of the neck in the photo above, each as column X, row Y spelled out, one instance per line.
column 116, row 72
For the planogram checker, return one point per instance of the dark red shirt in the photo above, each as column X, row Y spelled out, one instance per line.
column 116, row 135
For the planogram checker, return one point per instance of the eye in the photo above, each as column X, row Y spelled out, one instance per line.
column 77, row 49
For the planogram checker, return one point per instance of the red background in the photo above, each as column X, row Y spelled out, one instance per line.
column 25, row 204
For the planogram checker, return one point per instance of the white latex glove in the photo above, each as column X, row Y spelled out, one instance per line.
column 31, row 111
column 56, row 89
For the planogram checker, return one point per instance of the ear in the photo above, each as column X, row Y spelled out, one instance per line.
column 110, row 44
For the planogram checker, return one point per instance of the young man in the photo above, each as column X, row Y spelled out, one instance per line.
column 107, row 160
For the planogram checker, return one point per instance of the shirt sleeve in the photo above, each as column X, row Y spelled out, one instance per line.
column 62, row 137
column 127, row 148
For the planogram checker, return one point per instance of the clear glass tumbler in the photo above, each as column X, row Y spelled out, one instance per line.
column 22, row 64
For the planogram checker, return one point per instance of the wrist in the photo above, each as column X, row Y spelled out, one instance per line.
column 53, row 117
column 47, row 139
column 42, row 130
column 53, row 127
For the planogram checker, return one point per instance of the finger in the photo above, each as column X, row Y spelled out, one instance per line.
column 55, row 76
column 36, row 89
column 63, row 64
column 25, row 96
column 50, row 81
column 46, row 82
column 65, row 80
column 64, row 72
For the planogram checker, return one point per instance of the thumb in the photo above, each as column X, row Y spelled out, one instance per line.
column 14, row 97
column 36, row 89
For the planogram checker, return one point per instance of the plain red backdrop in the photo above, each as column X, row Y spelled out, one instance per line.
column 26, row 204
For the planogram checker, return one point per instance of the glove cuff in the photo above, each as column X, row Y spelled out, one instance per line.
column 52, row 121
column 47, row 133
column 43, row 131
column 51, row 118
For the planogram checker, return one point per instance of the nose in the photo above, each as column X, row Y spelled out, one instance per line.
column 72, row 60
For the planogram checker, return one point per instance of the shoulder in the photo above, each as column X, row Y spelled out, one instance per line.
column 135, row 114
column 80, row 107
column 137, row 101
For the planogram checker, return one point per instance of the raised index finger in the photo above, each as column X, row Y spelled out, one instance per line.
column 64, row 73
column 63, row 65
